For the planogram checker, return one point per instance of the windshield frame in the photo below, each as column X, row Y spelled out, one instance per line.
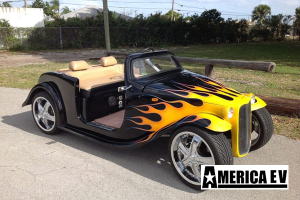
column 158, row 74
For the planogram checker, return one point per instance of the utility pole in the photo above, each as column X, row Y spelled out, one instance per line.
column 106, row 25
column 172, row 10
column 25, row 2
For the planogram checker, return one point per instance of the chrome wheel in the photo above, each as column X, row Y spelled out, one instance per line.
column 188, row 152
column 44, row 114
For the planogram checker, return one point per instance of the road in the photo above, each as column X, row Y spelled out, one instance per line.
column 64, row 166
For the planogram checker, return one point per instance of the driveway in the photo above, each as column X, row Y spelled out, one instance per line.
column 64, row 166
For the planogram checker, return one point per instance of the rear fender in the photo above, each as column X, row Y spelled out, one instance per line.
column 53, row 91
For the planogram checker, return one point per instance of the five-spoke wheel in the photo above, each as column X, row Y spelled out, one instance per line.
column 43, row 111
column 191, row 147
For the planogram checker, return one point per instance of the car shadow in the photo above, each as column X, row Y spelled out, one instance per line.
column 150, row 161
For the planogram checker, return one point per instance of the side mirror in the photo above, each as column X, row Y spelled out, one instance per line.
column 148, row 49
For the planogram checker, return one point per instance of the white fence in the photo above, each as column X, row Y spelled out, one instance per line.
column 23, row 17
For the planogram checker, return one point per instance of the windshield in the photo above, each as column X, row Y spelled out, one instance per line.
column 152, row 65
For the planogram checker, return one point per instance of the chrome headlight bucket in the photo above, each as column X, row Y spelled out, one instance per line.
column 253, row 100
column 230, row 113
column 227, row 112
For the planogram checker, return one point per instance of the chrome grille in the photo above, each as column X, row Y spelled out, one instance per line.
column 244, row 128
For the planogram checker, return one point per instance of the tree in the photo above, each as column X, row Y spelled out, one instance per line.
column 46, row 7
column 297, row 17
column 5, row 4
column 55, row 7
column 260, row 12
column 168, row 15
column 65, row 10
column 38, row 4
column 297, row 20
column 212, row 17
column 48, row 10
column 274, row 22
column 278, row 24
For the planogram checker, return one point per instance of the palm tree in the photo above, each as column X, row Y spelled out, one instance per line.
column 65, row 10
column 55, row 6
column 176, row 15
column 260, row 12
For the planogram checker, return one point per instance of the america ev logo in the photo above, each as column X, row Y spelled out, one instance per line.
column 233, row 177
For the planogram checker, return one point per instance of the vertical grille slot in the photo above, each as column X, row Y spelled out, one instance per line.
column 244, row 128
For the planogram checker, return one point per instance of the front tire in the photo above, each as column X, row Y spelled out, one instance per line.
column 262, row 128
column 191, row 147
column 45, row 113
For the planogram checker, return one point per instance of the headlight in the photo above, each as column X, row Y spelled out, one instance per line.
column 253, row 100
column 230, row 113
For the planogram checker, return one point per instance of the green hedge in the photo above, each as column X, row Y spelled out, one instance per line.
column 154, row 30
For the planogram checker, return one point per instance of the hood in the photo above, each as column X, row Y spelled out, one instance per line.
column 189, row 85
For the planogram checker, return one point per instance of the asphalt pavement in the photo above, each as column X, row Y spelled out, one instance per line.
column 65, row 166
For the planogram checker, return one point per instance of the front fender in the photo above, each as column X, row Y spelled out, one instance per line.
column 208, row 121
column 53, row 92
column 202, row 120
column 259, row 103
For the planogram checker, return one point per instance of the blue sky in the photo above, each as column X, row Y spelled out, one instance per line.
column 235, row 9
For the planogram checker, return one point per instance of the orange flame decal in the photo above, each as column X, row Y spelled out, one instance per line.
column 168, row 116
column 208, row 93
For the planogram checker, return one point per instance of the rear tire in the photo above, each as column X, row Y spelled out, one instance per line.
column 45, row 113
column 262, row 128
column 190, row 147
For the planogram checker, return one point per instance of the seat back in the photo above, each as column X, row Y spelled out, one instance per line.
column 90, row 77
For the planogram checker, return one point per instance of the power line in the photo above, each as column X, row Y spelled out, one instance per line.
column 120, row 6
column 189, row 6
column 205, row 9
column 179, row 10
column 123, row 7
column 132, row 1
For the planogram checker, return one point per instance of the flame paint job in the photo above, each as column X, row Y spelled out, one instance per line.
column 175, row 112
column 199, row 99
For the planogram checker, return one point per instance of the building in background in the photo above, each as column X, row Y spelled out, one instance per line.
column 89, row 11
column 23, row 17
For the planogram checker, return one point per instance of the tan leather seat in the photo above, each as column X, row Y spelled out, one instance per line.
column 99, row 76
column 91, row 77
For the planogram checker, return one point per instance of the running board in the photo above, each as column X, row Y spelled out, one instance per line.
column 107, row 128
